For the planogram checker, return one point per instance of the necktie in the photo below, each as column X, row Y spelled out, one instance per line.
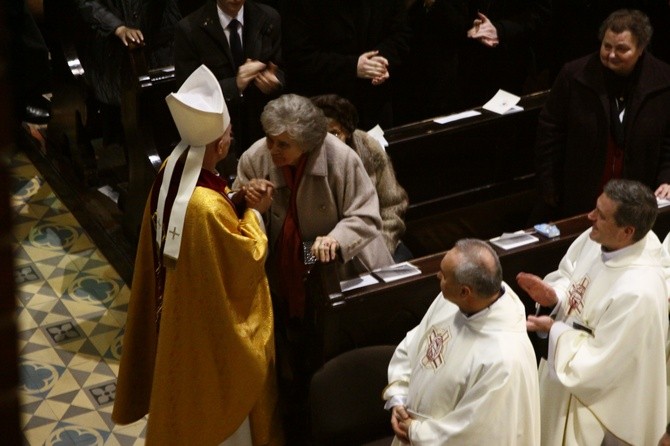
column 235, row 43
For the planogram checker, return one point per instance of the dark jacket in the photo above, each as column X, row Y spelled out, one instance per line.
column 155, row 18
column 574, row 128
column 520, row 25
column 323, row 40
column 427, row 84
column 200, row 39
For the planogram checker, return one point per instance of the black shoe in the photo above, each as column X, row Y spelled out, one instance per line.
column 37, row 110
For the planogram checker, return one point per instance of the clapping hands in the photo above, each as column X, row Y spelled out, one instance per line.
column 484, row 31
column 263, row 75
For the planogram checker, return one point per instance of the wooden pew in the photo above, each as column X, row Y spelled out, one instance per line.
column 383, row 313
column 149, row 130
column 74, row 121
column 472, row 177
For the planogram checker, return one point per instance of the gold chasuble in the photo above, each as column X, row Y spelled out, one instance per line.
column 211, row 364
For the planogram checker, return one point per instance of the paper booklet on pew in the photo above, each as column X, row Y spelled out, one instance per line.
column 396, row 272
column 511, row 240
column 662, row 202
column 358, row 282
column 503, row 102
column 377, row 133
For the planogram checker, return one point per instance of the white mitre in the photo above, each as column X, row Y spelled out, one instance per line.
column 201, row 116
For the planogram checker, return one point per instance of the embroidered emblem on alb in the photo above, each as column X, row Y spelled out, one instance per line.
column 437, row 341
column 576, row 295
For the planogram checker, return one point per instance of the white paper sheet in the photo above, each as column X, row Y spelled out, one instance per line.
column 662, row 202
column 456, row 116
column 109, row 192
column 510, row 240
column 396, row 272
column 501, row 102
column 358, row 282
column 377, row 133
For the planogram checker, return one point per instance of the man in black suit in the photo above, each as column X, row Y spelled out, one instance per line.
column 240, row 42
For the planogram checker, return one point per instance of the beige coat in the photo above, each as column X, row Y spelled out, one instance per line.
column 335, row 198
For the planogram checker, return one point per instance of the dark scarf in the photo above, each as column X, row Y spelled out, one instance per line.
column 289, row 247
column 619, row 90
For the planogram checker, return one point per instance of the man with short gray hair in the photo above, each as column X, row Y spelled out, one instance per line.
column 467, row 373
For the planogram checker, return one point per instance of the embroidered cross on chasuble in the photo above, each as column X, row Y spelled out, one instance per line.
column 437, row 342
column 576, row 295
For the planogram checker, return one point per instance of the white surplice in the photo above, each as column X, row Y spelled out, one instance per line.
column 469, row 380
column 606, row 362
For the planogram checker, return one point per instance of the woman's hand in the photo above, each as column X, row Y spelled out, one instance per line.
column 325, row 249
column 258, row 194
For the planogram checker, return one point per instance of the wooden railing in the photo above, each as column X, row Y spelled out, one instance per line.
column 383, row 313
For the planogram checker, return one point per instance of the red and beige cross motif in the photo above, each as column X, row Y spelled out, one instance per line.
column 437, row 342
column 576, row 295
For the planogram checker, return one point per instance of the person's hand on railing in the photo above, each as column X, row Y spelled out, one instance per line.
column 129, row 35
column 325, row 249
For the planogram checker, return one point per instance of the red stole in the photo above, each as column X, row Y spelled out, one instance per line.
column 289, row 247
column 212, row 181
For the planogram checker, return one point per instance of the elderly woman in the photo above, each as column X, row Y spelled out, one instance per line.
column 342, row 121
column 321, row 194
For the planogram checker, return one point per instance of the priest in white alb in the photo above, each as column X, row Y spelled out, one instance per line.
column 604, row 378
column 467, row 375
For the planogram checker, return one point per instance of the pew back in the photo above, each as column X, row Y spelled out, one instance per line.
column 150, row 132
column 471, row 177
column 383, row 313
column 74, row 121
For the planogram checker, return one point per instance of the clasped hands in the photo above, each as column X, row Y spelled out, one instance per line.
column 400, row 421
column 257, row 194
column 541, row 293
column 373, row 66
column 484, row 31
column 262, row 74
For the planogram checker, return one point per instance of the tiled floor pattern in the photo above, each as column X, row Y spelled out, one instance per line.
column 71, row 309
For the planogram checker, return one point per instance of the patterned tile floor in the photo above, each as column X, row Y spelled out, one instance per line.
column 71, row 309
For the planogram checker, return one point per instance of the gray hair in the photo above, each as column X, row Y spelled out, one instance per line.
column 636, row 205
column 479, row 267
column 628, row 20
column 304, row 122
